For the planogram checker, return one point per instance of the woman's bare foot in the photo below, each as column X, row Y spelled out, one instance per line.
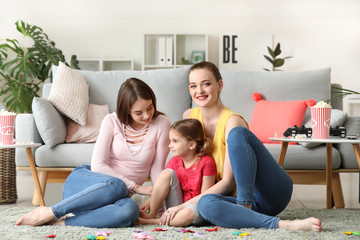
column 58, row 222
column 308, row 224
column 37, row 217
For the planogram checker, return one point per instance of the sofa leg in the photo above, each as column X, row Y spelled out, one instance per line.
column 43, row 175
column 337, row 191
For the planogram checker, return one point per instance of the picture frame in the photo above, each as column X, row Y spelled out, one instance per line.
column 197, row 56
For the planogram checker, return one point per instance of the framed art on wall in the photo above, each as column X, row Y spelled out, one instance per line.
column 197, row 56
column 244, row 51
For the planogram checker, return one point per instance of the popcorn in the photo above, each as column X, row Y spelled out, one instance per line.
column 6, row 113
column 7, row 124
column 322, row 104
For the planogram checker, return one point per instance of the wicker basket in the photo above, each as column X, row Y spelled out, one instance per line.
column 8, row 193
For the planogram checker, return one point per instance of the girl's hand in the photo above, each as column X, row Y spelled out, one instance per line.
column 143, row 190
column 144, row 208
column 169, row 215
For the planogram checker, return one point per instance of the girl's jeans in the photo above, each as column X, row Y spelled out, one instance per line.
column 96, row 200
column 260, row 181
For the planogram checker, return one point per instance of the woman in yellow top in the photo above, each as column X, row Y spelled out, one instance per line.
column 263, row 189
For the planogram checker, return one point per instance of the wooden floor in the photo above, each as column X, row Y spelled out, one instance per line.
column 304, row 196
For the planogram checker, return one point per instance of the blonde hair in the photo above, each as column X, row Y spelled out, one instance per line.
column 192, row 130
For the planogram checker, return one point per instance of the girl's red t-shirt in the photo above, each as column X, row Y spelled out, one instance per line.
column 191, row 178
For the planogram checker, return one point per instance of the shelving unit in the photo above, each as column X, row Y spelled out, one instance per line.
column 164, row 51
column 106, row 64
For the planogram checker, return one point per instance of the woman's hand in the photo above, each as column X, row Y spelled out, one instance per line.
column 169, row 215
column 143, row 190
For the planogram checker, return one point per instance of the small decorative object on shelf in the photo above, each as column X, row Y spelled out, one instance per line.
column 184, row 60
column 197, row 56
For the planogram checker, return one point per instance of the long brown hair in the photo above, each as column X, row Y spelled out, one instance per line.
column 130, row 91
column 192, row 130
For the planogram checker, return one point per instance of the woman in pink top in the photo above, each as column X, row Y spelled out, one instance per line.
column 132, row 145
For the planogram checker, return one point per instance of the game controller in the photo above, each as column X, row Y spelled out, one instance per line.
column 338, row 131
column 293, row 131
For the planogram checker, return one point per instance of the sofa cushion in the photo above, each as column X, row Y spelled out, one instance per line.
column 273, row 86
column 169, row 85
column 70, row 94
column 89, row 132
column 338, row 118
column 49, row 122
column 64, row 155
column 272, row 118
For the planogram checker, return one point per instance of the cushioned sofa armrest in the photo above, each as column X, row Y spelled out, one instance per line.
column 348, row 159
column 25, row 131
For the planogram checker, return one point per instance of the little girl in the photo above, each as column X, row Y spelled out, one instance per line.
column 188, row 173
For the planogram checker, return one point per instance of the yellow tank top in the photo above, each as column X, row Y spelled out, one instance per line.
column 219, row 137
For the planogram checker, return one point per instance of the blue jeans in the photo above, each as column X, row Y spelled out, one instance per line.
column 260, row 181
column 96, row 200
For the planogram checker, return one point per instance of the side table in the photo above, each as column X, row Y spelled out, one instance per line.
column 285, row 142
column 7, row 151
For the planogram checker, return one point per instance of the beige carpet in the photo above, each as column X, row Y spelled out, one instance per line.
column 335, row 223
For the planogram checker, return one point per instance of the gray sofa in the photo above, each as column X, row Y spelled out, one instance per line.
column 171, row 89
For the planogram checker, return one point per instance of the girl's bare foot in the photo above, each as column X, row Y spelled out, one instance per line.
column 308, row 224
column 144, row 221
column 37, row 217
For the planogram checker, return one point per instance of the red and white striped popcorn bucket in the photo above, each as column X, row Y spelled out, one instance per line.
column 7, row 124
column 320, row 121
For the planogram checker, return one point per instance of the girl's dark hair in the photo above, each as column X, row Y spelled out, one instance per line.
column 210, row 67
column 192, row 130
column 130, row 91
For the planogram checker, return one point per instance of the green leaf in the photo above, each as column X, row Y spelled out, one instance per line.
column 269, row 59
column 279, row 62
column 271, row 52
column 340, row 93
column 277, row 51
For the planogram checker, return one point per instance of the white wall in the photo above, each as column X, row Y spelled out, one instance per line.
column 321, row 33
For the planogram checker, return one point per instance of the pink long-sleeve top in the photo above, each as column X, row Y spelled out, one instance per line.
column 112, row 156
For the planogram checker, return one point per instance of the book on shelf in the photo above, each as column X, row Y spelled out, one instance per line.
column 162, row 48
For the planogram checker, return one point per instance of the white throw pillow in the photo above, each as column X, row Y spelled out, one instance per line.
column 70, row 94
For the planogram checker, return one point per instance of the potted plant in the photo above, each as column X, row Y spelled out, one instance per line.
column 273, row 59
column 339, row 93
column 23, row 70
